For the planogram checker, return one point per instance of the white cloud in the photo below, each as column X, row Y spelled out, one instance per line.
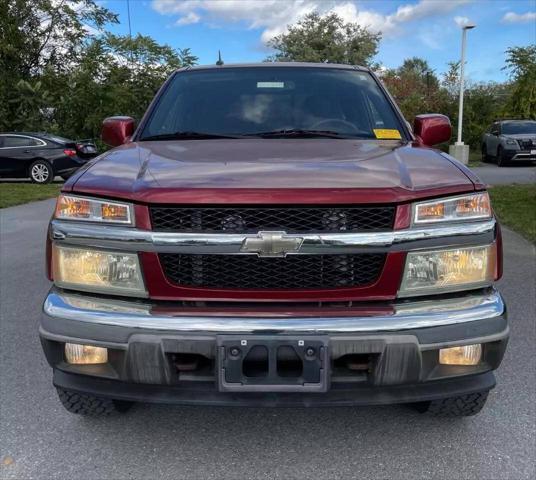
column 273, row 16
column 512, row 17
column 189, row 18
column 461, row 21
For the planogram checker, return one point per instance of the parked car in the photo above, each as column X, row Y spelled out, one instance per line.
column 41, row 157
column 260, row 239
column 509, row 141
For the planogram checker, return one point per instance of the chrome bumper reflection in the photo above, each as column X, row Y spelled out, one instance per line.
column 404, row 316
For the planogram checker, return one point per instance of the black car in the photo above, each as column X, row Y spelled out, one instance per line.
column 41, row 156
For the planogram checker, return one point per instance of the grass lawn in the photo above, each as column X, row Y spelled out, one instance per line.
column 515, row 205
column 18, row 193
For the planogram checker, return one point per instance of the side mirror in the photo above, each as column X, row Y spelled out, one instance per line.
column 117, row 130
column 432, row 129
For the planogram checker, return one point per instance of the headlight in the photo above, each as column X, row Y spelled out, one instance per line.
column 69, row 207
column 454, row 209
column 97, row 271
column 511, row 141
column 441, row 271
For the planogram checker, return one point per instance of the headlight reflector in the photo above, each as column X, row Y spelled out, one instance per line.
column 440, row 271
column 466, row 207
column 97, row 271
column 69, row 207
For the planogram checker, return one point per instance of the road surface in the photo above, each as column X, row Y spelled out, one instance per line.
column 493, row 175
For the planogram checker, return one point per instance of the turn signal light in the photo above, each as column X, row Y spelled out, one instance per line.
column 76, row 354
column 71, row 207
column 466, row 355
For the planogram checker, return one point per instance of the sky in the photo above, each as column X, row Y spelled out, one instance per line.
column 425, row 28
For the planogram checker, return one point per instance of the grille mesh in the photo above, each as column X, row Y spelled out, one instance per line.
column 527, row 144
column 255, row 219
column 294, row 272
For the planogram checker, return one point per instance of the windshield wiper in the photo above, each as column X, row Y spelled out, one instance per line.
column 187, row 135
column 299, row 133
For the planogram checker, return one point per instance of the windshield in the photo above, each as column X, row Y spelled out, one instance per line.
column 272, row 101
column 519, row 128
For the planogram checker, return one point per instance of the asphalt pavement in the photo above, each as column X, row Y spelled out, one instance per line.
column 39, row 439
column 493, row 175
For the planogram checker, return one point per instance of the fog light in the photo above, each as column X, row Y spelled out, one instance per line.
column 467, row 355
column 85, row 354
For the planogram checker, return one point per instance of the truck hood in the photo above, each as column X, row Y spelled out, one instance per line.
column 272, row 170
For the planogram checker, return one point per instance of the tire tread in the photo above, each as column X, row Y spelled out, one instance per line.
column 461, row 406
column 82, row 404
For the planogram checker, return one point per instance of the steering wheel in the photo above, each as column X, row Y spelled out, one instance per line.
column 346, row 123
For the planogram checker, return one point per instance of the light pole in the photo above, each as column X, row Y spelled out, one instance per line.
column 459, row 150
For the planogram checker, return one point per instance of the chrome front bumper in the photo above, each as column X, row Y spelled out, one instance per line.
column 402, row 316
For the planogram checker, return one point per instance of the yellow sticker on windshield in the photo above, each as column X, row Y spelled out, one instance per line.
column 387, row 134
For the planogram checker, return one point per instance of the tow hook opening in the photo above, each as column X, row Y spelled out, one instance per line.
column 189, row 362
column 355, row 363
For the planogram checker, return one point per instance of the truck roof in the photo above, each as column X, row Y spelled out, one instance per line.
column 339, row 66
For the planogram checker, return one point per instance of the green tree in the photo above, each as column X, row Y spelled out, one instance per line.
column 416, row 88
column 325, row 38
column 60, row 72
column 116, row 75
column 29, row 103
column 521, row 62
column 36, row 35
column 483, row 104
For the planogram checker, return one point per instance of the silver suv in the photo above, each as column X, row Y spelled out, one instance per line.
column 509, row 140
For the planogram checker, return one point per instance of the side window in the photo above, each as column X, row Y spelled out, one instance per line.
column 13, row 142
column 35, row 142
column 495, row 129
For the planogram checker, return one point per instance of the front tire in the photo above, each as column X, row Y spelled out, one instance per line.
column 485, row 156
column 41, row 172
column 88, row 405
column 501, row 160
column 461, row 406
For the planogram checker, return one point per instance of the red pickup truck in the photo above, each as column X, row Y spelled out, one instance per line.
column 274, row 234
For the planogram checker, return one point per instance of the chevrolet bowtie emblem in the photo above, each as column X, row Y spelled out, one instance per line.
column 271, row 244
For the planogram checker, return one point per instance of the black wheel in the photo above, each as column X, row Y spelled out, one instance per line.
column 88, row 405
column 485, row 156
column 501, row 161
column 41, row 172
column 462, row 406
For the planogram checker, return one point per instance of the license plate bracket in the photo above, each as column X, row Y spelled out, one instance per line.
column 268, row 363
